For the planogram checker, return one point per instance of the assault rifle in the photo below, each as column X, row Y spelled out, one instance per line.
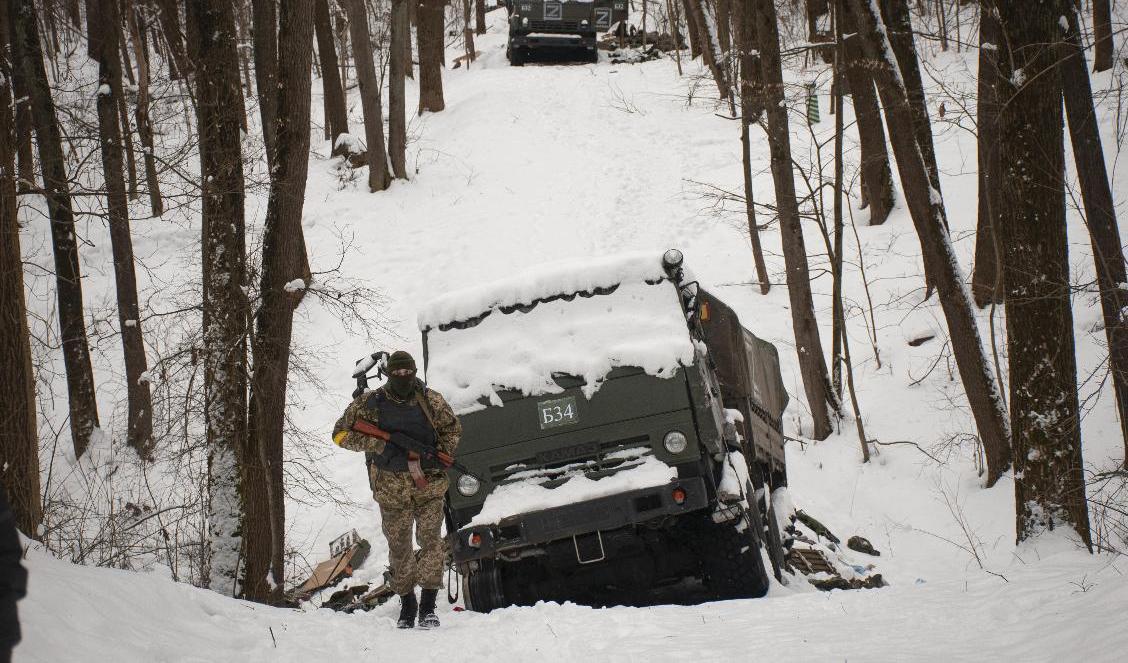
column 413, row 447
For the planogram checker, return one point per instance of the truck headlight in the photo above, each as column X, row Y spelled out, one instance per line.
column 675, row 442
column 469, row 486
column 524, row 22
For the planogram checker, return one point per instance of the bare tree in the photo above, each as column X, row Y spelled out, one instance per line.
column 103, row 43
column 19, row 445
column 941, row 266
column 398, row 64
column 31, row 72
column 431, row 35
column 812, row 362
column 265, row 35
column 986, row 278
column 282, row 266
column 480, row 16
column 218, row 111
column 707, row 39
column 1102, row 32
column 751, row 100
column 336, row 113
column 378, row 176
column 1100, row 213
column 1049, row 480
column 169, row 16
column 877, row 177
column 137, row 31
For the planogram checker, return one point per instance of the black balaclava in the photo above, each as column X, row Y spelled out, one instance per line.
column 401, row 386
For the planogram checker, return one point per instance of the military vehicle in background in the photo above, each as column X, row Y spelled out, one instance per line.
column 540, row 24
column 612, row 489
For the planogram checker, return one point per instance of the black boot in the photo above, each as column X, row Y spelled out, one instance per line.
column 427, row 618
column 407, row 610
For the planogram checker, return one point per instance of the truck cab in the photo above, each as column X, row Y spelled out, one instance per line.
column 572, row 24
column 621, row 430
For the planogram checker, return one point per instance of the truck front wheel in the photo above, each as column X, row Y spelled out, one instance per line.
column 482, row 589
column 731, row 562
column 517, row 57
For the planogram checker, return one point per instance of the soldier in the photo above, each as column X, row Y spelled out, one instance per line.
column 408, row 490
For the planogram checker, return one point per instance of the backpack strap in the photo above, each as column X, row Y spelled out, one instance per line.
column 426, row 407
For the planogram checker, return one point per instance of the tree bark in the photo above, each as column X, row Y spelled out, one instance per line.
column 282, row 262
column 1102, row 33
column 265, row 36
column 1100, row 213
column 336, row 112
column 397, row 105
column 169, row 16
column 24, row 126
column 105, row 45
column 877, row 177
column 710, row 47
column 144, row 129
column 19, row 443
column 751, row 98
column 812, row 362
column 895, row 13
column 986, row 279
column 1049, row 474
column 72, row 326
column 219, row 111
column 378, row 177
column 430, row 34
column 941, row 265
column 480, row 16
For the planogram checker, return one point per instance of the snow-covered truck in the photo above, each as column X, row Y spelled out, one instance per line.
column 622, row 429
column 539, row 24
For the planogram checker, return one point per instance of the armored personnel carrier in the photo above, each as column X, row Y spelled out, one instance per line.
column 621, row 431
column 539, row 24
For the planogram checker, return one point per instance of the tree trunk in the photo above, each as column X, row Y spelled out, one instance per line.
column 72, row 326
column 895, row 13
column 144, row 129
column 169, row 15
column 265, row 35
column 1049, row 475
column 1102, row 33
column 986, row 279
column 710, row 47
column 282, row 262
column 397, row 105
column 19, row 442
column 480, row 16
column 877, row 177
column 695, row 48
column 336, row 111
column 751, row 98
column 378, row 177
column 341, row 32
column 431, row 55
column 467, row 32
column 219, row 111
column 941, row 266
column 1100, row 213
column 24, row 126
column 104, row 43
column 812, row 362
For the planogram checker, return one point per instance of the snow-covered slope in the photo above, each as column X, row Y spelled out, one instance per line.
column 535, row 164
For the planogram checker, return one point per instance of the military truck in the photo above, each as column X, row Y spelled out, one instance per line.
column 598, row 482
column 540, row 24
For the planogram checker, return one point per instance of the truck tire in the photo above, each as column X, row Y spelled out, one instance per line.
column 730, row 556
column 482, row 589
column 517, row 57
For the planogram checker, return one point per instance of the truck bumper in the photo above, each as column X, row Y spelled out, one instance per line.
column 602, row 514
column 543, row 40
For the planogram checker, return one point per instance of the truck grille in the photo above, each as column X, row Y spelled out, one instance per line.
column 594, row 460
column 554, row 26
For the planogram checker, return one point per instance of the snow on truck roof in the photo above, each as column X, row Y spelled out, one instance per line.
column 578, row 317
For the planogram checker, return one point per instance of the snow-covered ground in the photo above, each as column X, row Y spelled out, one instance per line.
column 531, row 165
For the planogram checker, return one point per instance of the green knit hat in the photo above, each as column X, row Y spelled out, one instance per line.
column 400, row 359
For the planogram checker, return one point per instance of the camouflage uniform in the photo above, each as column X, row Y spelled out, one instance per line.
column 402, row 504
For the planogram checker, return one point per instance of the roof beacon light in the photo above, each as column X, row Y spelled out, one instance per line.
column 672, row 259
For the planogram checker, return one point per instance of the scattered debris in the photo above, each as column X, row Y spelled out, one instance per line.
column 346, row 552
column 921, row 340
column 862, row 545
column 838, row 582
column 816, row 527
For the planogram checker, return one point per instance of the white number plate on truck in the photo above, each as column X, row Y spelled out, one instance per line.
column 558, row 412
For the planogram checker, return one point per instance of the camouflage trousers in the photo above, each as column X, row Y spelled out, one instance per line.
column 402, row 508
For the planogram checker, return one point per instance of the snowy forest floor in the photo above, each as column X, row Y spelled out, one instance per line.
column 562, row 160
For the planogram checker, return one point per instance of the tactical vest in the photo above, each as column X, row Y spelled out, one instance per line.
column 407, row 418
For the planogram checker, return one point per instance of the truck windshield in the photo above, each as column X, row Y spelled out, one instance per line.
column 584, row 334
